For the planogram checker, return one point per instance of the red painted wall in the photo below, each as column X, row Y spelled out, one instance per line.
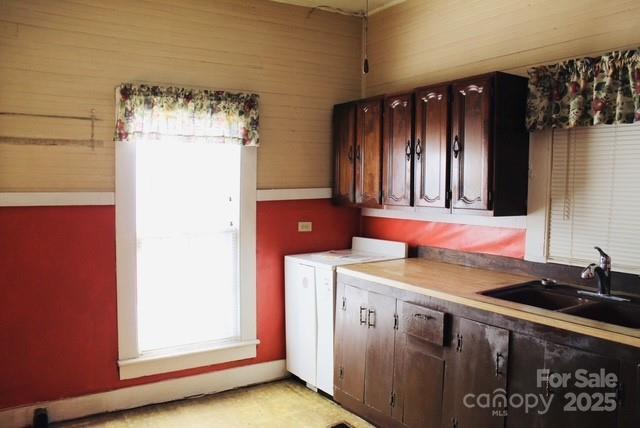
column 58, row 326
column 476, row 239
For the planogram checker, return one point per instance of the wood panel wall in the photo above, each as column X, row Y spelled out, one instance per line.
column 419, row 42
column 65, row 57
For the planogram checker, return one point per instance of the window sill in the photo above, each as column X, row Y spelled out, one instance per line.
column 146, row 365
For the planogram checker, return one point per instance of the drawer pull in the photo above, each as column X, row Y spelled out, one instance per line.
column 372, row 318
column 363, row 315
column 424, row 317
column 499, row 358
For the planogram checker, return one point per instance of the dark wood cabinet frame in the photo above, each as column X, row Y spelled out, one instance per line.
column 529, row 346
column 459, row 147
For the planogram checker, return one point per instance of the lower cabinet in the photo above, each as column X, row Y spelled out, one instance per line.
column 403, row 360
column 378, row 378
column 476, row 366
column 394, row 364
column 350, row 341
column 554, row 374
column 419, row 366
column 364, row 339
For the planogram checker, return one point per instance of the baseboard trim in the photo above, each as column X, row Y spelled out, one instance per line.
column 141, row 395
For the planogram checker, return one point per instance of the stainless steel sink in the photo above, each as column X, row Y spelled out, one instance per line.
column 567, row 299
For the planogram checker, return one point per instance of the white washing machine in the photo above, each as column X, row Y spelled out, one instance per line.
column 309, row 305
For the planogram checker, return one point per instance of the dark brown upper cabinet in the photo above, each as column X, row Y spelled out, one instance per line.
column 431, row 166
column 344, row 123
column 463, row 147
column 357, row 135
column 489, row 145
column 397, row 151
column 368, row 153
column 470, row 144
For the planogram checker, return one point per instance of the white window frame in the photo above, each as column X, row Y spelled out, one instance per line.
column 540, row 146
column 131, row 361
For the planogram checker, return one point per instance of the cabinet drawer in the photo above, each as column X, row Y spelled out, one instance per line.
column 422, row 323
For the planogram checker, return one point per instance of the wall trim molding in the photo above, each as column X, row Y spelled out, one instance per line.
column 52, row 199
column 57, row 199
column 294, row 194
column 515, row 222
column 141, row 395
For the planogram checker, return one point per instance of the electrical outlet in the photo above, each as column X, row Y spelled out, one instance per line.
column 305, row 226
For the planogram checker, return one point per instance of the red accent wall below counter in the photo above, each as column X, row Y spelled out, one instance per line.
column 58, row 317
column 477, row 239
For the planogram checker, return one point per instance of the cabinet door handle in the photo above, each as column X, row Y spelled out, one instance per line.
column 423, row 316
column 620, row 393
column 363, row 315
column 457, row 148
column 418, row 149
column 372, row 318
column 350, row 153
column 358, row 152
column 499, row 361
column 407, row 150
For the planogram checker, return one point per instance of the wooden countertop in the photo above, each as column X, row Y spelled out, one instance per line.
column 461, row 284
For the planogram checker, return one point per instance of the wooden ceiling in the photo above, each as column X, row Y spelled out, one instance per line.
column 348, row 6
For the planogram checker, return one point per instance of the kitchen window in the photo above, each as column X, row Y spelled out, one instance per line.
column 592, row 196
column 185, row 236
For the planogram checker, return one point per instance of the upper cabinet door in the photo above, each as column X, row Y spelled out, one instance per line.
column 430, row 154
column 397, row 150
column 344, row 118
column 368, row 153
column 471, row 144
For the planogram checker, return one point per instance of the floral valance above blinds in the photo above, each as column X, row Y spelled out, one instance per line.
column 586, row 91
column 192, row 114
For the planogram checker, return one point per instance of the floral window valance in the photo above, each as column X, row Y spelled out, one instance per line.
column 192, row 114
column 586, row 91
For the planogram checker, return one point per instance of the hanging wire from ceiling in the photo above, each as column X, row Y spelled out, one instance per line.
column 365, row 33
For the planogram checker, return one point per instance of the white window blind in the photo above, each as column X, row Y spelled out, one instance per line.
column 595, row 182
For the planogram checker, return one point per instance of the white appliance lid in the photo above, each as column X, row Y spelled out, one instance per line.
column 365, row 250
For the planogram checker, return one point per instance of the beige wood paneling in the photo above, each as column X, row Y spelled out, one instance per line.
column 66, row 57
column 420, row 42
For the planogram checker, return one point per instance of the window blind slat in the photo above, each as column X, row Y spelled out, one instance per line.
column 594, row 180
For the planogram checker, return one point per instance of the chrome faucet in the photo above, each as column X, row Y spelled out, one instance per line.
column 603, row 272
